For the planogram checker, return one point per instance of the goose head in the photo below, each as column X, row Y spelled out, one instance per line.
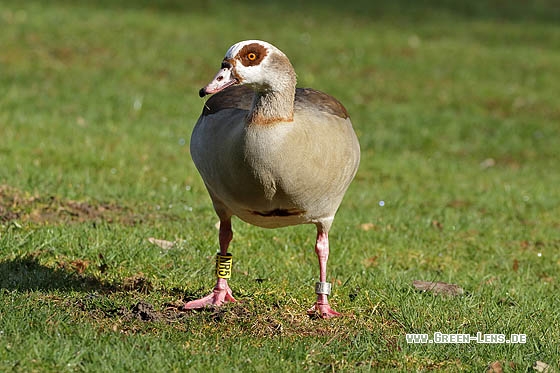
column 255, row 63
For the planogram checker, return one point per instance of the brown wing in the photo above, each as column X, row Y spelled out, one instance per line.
column 241, row 97
column 307, row 98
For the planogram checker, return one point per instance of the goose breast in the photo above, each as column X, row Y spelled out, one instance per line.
column 281, row 174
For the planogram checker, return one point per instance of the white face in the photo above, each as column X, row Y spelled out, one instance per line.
column 244, row 63
column 249, row 59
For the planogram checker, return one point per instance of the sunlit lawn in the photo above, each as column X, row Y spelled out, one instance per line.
column 457, row 108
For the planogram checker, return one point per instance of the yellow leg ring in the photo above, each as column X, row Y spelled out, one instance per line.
column 223, row 265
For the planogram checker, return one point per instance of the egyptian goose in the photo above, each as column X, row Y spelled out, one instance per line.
column 271, row 154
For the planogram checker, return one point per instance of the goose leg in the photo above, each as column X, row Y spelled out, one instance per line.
column 322, row 250
column 222, row 292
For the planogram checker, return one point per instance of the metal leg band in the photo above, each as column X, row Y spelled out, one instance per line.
column 323, row 288
column 223, row 265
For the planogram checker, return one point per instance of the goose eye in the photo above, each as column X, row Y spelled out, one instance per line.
column 251, row 56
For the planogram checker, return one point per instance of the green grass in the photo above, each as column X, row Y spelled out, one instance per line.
column 456, row 107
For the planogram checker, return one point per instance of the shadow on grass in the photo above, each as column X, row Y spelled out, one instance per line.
column 27, row 273
column 95, row 298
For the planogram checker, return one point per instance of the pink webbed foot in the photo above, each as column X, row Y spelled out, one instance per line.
column 215, row 299
column 323, row 310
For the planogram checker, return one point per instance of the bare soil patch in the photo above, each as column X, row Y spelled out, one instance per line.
column 16, row 205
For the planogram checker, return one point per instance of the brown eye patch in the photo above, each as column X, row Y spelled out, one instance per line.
column 252, row 54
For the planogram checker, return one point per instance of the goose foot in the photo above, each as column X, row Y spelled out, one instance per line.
column 322, row 310
column 215, row 299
